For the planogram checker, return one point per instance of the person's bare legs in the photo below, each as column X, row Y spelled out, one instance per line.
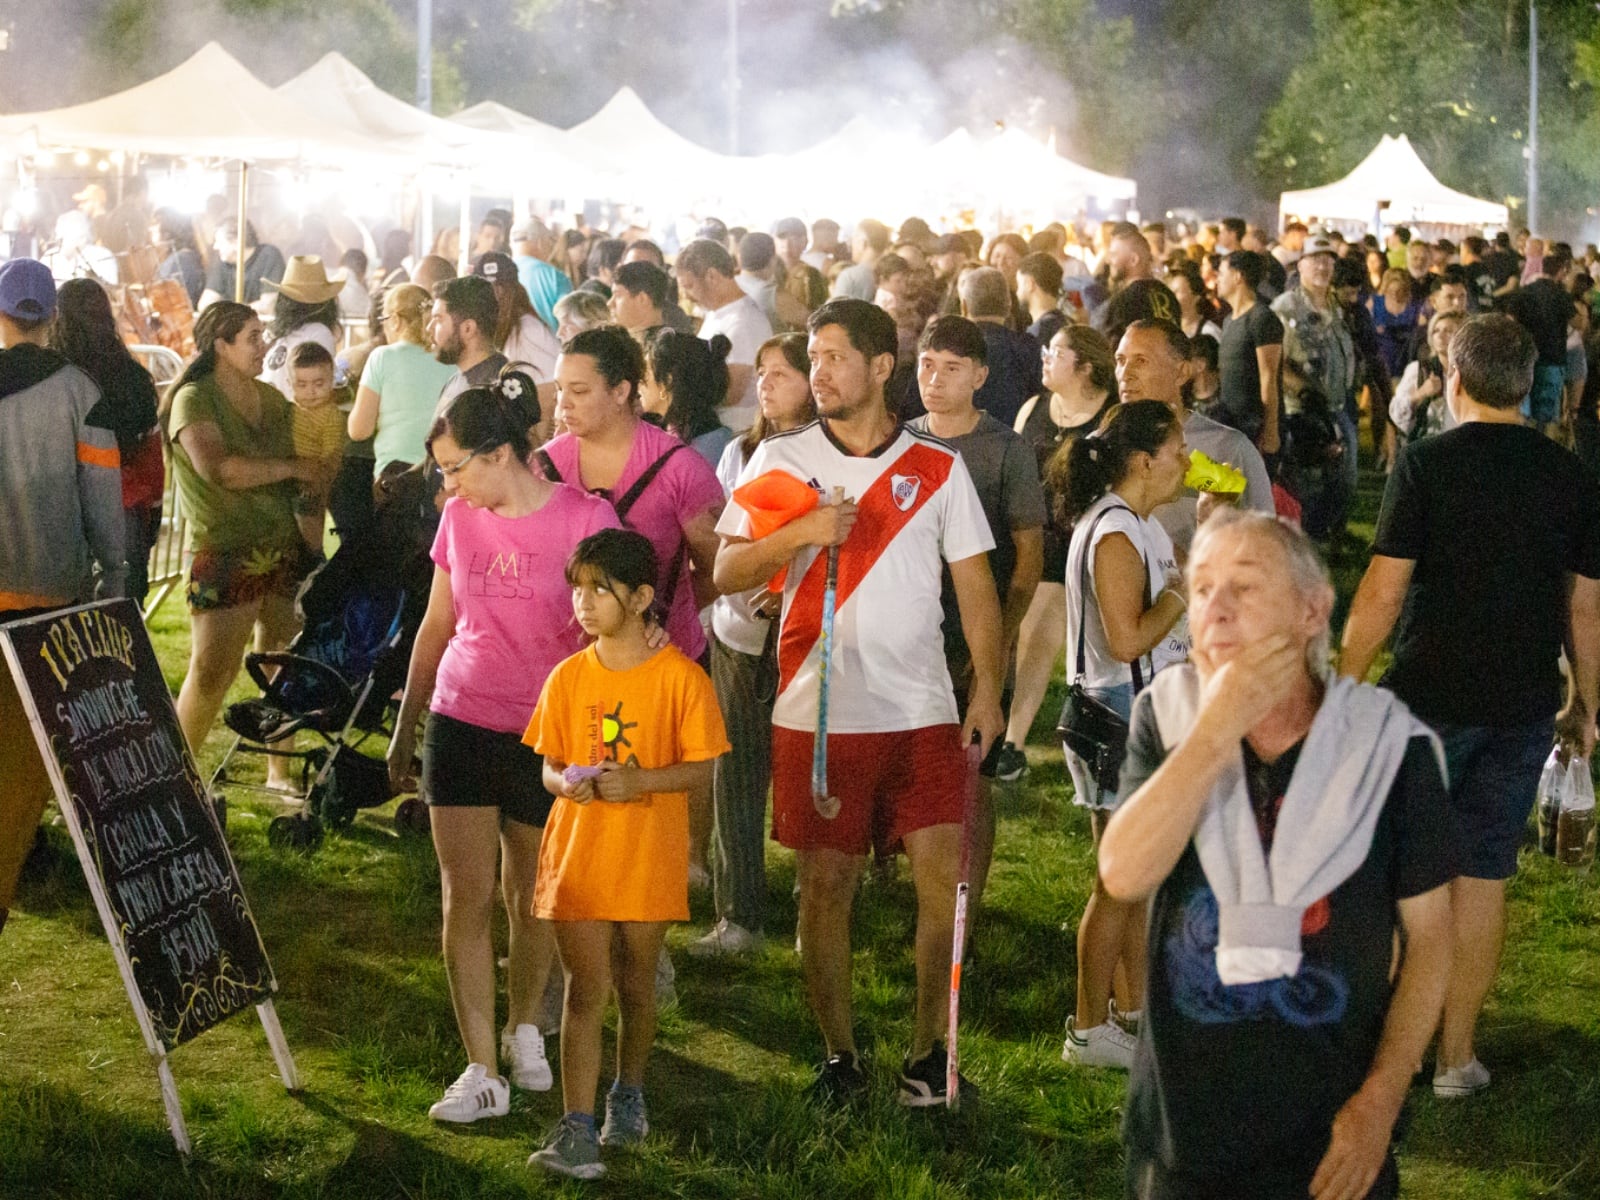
column 1039, row 644
column 532, row 942
column 467, row 841
column 217, row 638
column 1479, row 909
column 636, row 948
column 1102, row 936
column 586, row 958
column 275, row 629
column 935, row 854
column 983, row 826
column 828, row 882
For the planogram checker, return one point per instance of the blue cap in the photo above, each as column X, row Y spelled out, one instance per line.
column 27, row 290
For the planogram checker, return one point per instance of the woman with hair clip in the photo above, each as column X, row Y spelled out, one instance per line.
column 85, row 332
column 499, row 619
column 1080, row 389
column 233, row 461
column 400, row 383
column 685, row 384
column 742, row 667
column 1124, row 596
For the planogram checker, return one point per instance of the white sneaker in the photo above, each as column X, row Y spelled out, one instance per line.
column 1106, row 1045
column 725, row 938
column 1457, row 1083
column 523, row 1047
column 1127, row 1020
column 475, row 1095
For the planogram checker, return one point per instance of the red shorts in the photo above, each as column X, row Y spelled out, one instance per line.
column 888, row 784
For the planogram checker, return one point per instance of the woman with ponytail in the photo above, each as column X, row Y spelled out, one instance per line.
column 400, row 383
column 499, row 619
column 1124, row 598
column 234, row 465
column 685, row 384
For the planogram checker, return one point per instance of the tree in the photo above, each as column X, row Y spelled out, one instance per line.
column 1451, row 74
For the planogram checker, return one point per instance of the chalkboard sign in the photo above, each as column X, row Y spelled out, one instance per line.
column 145, row 830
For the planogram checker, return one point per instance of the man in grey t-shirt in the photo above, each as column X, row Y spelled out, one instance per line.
column 464, row 315
column 952, row 363
column 1153, row 363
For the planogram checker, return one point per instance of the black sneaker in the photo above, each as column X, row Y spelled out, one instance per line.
column 839, row 1080
column 922, row 1083
column 1010, row 763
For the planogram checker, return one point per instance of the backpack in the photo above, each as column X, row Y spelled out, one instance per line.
column 624, row 505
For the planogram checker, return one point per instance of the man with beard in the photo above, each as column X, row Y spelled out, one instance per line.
column 1136, row 294
column 896, row 746
column 464, row 317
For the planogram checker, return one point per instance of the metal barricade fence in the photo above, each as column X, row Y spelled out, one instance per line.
column 166, row 556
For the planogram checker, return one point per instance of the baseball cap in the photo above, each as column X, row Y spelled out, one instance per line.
column 494, row 266
column 1319, row 243
column 27, row 289
column 789, row 227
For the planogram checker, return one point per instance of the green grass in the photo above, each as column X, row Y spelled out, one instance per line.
column 353, row 933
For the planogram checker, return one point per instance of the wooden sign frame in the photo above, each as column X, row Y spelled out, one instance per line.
column 125, row 615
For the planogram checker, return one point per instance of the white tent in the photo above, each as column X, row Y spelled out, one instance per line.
column 1391, row 186
column 345, row 98
column 209, row 106
column 553, row 154
column 650, row 162
column 1016, row 174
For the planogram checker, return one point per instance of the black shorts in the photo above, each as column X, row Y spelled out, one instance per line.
column 468, row 766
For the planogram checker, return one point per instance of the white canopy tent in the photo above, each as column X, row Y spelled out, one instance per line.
column 647, row 160
column 1015, row 174
column 1391, row 186
column 209, row 106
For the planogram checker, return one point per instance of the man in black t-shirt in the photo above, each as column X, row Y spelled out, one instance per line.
column 1136, row 294
column 1544, row 308
column 1249, row 354
column 1487, row 558
column 1275, row 1054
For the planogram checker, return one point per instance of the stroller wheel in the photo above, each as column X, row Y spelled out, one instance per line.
column 299, row 832
column 325, row 803
column 411, row 816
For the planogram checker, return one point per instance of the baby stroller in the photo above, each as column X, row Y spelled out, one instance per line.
column 361, row 611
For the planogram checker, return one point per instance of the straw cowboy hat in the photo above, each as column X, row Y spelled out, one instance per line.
column 305, row 280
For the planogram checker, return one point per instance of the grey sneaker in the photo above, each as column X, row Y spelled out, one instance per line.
column 571, row 1150
column 1457, row 1083
column 626, row 1121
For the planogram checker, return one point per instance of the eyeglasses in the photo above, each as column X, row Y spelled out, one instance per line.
column 456, row 468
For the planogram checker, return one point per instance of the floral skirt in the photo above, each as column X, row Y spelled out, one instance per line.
column 228, row 578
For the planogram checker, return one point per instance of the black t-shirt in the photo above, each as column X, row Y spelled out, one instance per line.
column 1234, row 1089
column 1495, row 517
column 1016, row 372
column 1239, row 371
column 1141, row 300
column 1502, row 265
column 1544, row 309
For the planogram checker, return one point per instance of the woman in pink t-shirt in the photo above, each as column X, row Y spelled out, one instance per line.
column 499, row 619
column 607, row 449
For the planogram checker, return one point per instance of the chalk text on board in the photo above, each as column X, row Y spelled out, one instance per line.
column 80, row 636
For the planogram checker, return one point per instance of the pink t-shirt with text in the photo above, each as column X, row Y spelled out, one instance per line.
column 514, row 618
column 684, row 489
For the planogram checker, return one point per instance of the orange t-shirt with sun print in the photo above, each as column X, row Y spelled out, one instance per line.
column 608, row 861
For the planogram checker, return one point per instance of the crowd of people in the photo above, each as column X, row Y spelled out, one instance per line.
column 680, row 505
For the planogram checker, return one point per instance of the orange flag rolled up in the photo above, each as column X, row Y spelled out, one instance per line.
column 771, row 500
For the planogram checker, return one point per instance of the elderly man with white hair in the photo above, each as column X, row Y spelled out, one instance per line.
column 1287, row 824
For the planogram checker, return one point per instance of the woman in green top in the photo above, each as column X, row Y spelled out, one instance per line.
column 233, row 461
column 400, row 383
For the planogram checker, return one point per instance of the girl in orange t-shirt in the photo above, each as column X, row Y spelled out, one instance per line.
column 628, row 734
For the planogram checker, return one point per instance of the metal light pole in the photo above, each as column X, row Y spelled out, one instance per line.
column 733, row 76
column 1533, row 115
column 425, row 55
